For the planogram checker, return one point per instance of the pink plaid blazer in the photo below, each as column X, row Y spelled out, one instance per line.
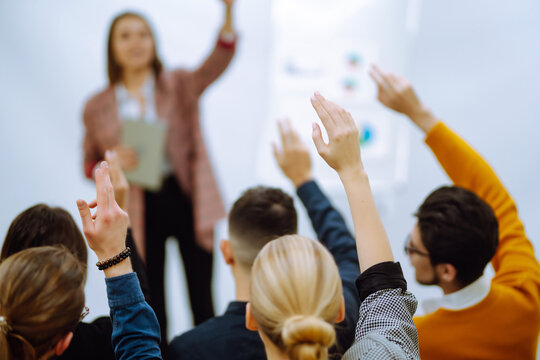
column 177, row 102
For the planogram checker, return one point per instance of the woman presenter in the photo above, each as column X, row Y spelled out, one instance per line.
column 186, row 204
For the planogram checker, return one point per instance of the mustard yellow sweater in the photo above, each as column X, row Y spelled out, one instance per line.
column 506, row 324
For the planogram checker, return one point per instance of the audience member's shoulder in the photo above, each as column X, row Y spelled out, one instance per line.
column 202, row 334
column 220, row 337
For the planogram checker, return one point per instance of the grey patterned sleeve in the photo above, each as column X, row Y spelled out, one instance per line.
column 385, row 328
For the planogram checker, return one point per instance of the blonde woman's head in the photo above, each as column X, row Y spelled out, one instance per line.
column 296, row 297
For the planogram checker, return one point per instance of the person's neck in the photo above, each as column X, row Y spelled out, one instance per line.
column 241, row 280
column 134, row 79
column 272, row 351
column 450, row 288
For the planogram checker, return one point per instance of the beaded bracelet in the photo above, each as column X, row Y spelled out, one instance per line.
column 105, row 264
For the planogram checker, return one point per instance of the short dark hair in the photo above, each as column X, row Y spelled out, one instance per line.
column 459, row 228
column 260, row 215
column 42, row 225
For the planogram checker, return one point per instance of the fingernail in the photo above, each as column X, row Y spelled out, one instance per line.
column 107, row 153
column 104, row 165
column 313, row 99
column 314, row 126
column 317, row 93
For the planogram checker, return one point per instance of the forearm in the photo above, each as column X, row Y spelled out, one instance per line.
column 228, row 27
column 372, row 242
column 216, row 63
column 136, row 333
column 423, row 118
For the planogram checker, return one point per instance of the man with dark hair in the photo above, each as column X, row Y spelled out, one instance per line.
column 450, row 220
column 460, row 229
column 260, row 215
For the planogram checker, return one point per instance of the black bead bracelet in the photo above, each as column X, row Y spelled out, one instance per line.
column 105, row 264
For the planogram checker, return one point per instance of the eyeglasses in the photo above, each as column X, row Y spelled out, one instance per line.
column 85, row 312
column 409, row 250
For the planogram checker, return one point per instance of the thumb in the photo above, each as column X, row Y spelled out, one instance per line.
column 86, row 216
column 316, row 135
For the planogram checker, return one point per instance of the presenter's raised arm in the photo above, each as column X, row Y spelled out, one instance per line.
column 219, row 59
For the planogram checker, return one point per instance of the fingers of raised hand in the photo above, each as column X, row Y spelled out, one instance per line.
column 340, row 119
column 322, row 147
column 105, row 191
column 86, row 217
column 291, row 131
column 317, row 101
column 283, row 133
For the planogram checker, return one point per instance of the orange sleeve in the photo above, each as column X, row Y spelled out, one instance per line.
column 514, row 260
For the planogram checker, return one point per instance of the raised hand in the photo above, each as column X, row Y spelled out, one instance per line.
column 342, row 152
column 396, row 93
column 106, row 232
column 228, row 27
column 293, row 157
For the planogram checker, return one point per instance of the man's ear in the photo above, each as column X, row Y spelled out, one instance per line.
column 446, row 272
column 63, row 344
column 226, row 251
column 251, row 323
column 341, row 313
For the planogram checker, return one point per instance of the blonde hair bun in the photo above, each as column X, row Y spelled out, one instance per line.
column 307, row 337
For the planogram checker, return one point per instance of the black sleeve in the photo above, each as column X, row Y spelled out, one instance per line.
column 138, row 267
column 382, row 276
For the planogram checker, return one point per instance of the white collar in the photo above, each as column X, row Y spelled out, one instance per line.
column 469, row 296
column 147, row 90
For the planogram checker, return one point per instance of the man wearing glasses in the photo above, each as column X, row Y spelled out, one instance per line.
column 460, row 229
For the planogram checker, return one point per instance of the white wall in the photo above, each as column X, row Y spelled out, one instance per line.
column 474, row 63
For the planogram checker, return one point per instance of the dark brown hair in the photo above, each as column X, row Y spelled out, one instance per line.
column 114, row 70
column 42, row 225
column 261, row 214
column 41, row 300
column 459, row 228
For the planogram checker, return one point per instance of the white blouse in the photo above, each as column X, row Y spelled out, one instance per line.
column 131, row 109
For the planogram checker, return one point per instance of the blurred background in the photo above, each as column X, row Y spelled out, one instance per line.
column 474, row 63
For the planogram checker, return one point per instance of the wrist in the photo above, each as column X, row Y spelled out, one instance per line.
column 423, row 118
column 105, row 254
column 119, row 269
column 352, row 173
column 299, row 181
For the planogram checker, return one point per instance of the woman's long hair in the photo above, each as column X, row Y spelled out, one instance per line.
column 114, row 70
column 296, row 295
column 41, row 300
